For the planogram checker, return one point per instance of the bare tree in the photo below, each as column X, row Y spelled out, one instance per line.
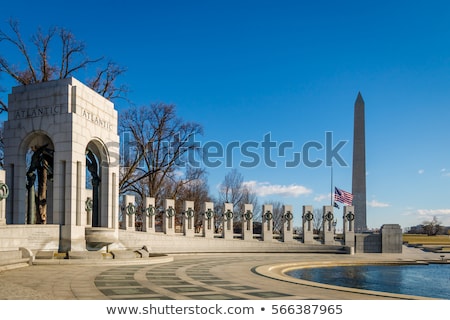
column 36, row 65
column 277, row 215
column 250, row 197
column 432, row 227
column 1, row 145
column 318, row 221
column 194, row 187
column 105, row 81
column 233, row 190
column 156, row 151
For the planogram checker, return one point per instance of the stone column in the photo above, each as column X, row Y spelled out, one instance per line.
column 247, row 222
column 4, row 192
column 148, row 217
column 267, row 222
column 128, row 213
column 228, row 218
column 188, row 219
column 308, row 225
column 328, row 225
column 169, row 216
column 288, row 216
column 349, row 226
column 208, row 219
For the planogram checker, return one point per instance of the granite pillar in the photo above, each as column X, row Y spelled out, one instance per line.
column 128, row 212
column 169, row 217
column 208, row 220
column 188, row 218
column 247, row 222
column 228, row 218
column 308, row 225
column 349, row 226
column 328, row 225
column 287, row 220
column 148, row 216
column 4, row 193
column 267, row 222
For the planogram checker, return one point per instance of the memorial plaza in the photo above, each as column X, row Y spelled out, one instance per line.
column 60, row 239
column 223, row 276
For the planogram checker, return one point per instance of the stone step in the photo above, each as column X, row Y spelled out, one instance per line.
column 14, row 263
column 45, row 254
column 91, row 255
column 125, row 254
column 13, row 259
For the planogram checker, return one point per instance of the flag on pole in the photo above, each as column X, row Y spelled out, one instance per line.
column 343, row 196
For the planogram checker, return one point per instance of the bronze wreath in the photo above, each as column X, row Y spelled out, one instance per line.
column 248, row 215
column 309, row 216
column 150, row 211
column 289, row 216
column 4, row 191
column 329, row 216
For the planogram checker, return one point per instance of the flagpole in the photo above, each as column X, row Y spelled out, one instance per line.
column 331, row 193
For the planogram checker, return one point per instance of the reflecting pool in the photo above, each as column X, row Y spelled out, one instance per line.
column 432, row 280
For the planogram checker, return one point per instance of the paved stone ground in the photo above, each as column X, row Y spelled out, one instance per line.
column 195, row 276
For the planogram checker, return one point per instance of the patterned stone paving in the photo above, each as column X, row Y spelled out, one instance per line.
column 197, row 276
column 187, row 279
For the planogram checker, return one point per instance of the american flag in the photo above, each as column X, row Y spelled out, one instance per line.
column 343, row 196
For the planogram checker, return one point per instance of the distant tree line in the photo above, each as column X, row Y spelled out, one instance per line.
column 431, row 227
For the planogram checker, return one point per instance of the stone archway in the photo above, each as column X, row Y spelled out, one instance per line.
column 39, row 153
column 96, row 163
column 69, row 118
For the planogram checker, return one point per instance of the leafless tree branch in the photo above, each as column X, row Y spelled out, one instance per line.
column 38, row 66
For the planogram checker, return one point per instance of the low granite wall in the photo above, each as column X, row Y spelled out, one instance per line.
column 367, row 243
column 389, row 240
column 178, row 243
column 33, row 237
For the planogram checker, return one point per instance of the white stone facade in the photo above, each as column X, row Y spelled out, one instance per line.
column 69, row 118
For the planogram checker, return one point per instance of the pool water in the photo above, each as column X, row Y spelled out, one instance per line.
column 431, row 280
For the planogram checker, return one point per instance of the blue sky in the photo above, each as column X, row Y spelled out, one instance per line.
column 293, row 69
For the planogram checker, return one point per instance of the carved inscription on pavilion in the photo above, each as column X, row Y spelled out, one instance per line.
column 99, row 121
column 37, row 112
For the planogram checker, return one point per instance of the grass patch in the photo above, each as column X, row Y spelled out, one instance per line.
column 426, row 240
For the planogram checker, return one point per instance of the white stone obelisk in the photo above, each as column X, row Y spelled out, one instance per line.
column 359, row 166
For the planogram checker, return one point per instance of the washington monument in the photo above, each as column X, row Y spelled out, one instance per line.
column 359, row 166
